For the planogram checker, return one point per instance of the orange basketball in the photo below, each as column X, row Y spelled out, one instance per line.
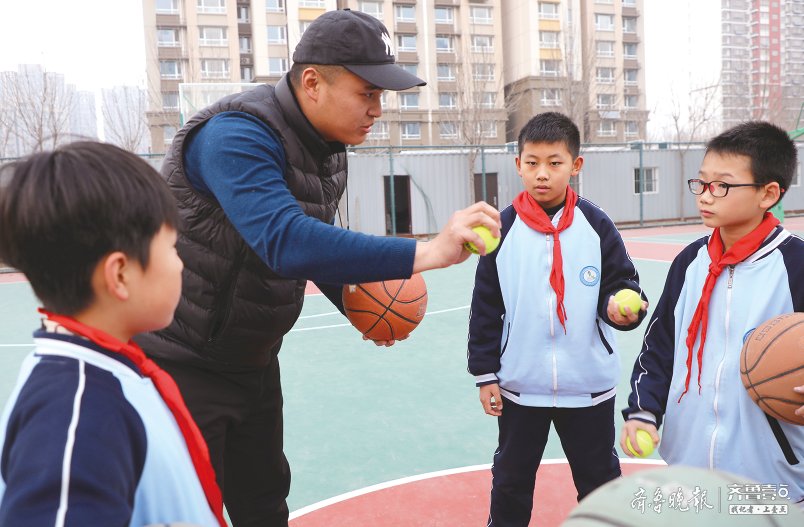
column 387, row 310
column 772, row 363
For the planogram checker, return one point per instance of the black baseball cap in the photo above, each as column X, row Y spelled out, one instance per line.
column 358, row 42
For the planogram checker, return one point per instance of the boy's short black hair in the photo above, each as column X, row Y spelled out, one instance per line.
column 551, row 127
column 64, row 210
column 773, row 154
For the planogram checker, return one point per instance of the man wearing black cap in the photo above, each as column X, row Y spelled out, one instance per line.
column 258, row 177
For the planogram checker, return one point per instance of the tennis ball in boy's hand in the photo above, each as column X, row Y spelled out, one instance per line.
column 490, row 241
column 628, row 298
column 644, row 441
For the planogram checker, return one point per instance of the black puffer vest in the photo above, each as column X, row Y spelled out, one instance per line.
column 234, row 310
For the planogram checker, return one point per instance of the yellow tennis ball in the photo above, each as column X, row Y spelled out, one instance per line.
column 629, row 298
column 644, row 441
column 490, row 241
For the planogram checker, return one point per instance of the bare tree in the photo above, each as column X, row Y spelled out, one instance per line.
column 694, row 123
column 124, row 117
column 478, row 112
column 41, row 104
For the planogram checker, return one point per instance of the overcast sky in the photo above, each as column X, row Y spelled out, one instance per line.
column 99, row 43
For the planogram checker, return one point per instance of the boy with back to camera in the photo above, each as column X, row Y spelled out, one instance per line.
column 540, row 330
column 95, row 433
column 718, row 289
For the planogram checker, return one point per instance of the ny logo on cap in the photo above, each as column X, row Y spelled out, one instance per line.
column 389, row 50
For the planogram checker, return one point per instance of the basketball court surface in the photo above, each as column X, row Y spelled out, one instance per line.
column 396, row 437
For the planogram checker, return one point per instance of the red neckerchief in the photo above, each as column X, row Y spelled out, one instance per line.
column 742, row 249
column 167, row 388
column 534, row 217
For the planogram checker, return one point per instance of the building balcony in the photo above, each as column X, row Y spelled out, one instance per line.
column 169, row 19
column 170, row 52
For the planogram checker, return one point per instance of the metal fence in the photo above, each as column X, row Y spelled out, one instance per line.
column 414, row 190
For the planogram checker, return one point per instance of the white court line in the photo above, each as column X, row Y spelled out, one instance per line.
column 410, row 479
column 349, row 325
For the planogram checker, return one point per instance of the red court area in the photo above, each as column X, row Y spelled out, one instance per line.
column 456, row 499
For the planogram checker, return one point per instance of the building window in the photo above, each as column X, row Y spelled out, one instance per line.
column 486, row 99
column 605, row 101
column 245, row 44
column 277, row 66
column 604, row 48
column 551, row 97
column 372, row 8
column 405, row 42
column 408, row 101
column 213, row 36
column 629, row 24
column 170, row 101
column 277, row 35
column 444, row 15
column 630, row 50
column 487, row 129
column 411, row 67
column 405, row 13
column 605, row 75
column 629, row 3
column 649, row 177
column 548, row 39
column 211, row 6
column 167, row 38
column 169, row 69
column 631, row 76
column 549, row 68
column 444, row 44
column 448, row 100
column 384, row 100
column 448, row 130
column 483, row 72
column 445, row 72
column 246, row 74
column 631, row 128
column 214, row 68
column 379, row 130
column 303, row 25
column 168, row 132
column 607, row 128
column 604, row 22
column 631, row 101
column 170, row 7
column 548, row 10
column 243, row 14
column 479, row 14
column 411, row 130
column 312, row 3
column 607, row 2
column 482, row 43
column 275, row 6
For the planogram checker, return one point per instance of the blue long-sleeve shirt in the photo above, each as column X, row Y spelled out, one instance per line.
column 245, row 174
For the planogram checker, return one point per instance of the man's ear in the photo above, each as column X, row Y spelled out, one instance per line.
column 770, row 195
column 112, row 273
column 311, row 82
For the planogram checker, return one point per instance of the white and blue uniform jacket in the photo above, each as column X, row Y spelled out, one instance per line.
column 721, row 427
column 86, row 440
column 515, row 337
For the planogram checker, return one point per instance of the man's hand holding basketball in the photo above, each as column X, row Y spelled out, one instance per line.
column 447, row 248
column 800, row 411
column 491, row 399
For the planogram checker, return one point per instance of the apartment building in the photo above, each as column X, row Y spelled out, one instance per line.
column 488, row 63
column 584, row 58
column 454, row 44
column 762, row 61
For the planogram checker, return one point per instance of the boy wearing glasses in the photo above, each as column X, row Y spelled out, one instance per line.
column 718, row 289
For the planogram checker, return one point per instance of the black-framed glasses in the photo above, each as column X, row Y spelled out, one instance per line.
column 718, row 189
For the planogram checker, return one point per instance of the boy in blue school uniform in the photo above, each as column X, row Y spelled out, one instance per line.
column 541, row 326
column 94, row 432
column 719, row 288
